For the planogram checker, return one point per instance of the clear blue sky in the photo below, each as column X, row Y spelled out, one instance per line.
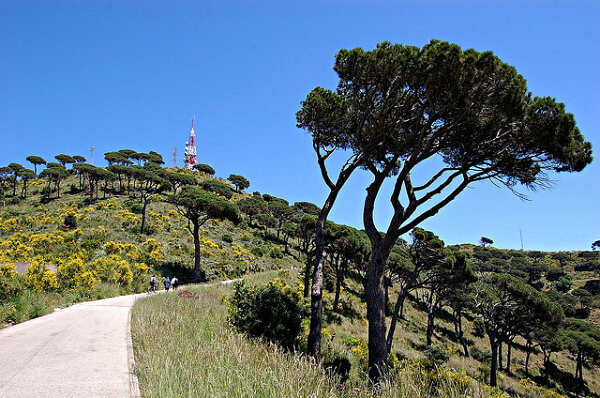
column 131, row 74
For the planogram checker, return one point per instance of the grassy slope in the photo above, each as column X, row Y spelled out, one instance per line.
column 183, row 347
column 409, row 338
column 31, row 216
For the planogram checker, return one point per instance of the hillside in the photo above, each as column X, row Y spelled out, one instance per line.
column 75, row 250
column 76, row 234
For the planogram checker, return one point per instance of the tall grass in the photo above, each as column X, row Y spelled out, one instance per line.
column 183, row 347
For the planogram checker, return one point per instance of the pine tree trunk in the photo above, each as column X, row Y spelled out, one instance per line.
column 316, row 297
column 338, row 285
column 528, row 354
column 375, row 295
column 198, row 277
column 494, row 365
column 395, row 315
column 307, row 276
column 500, row 355
column 430, row 317
column 460, row 333
column 508, row 354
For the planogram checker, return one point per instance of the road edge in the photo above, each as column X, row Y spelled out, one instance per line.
column 134, row 386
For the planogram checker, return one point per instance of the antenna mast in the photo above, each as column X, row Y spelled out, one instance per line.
column 521, row 235
column 190, row 149
column 92, row 158
column 174, row 156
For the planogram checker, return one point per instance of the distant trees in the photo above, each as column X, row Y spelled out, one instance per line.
column 64, row 159
column 54, row 173
column 204, row 168
column 5, row 173
column 26, row 175
column 596, row 245
column 239, row 181
column 217, row 187
column 485, row 241
column 508, row 306
column 198, row 207
column 36, row 161
column 582, row 339
column 252, row 206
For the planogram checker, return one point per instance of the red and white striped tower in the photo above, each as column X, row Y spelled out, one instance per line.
column 190, row 149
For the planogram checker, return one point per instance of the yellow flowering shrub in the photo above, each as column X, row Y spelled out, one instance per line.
column 85, row 281
column 8, row 270
column 10, row 224
column 40, row 278
column 69, row 270
column 112, row 268
column 112, row 247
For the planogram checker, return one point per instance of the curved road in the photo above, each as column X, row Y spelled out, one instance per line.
column 80, row 351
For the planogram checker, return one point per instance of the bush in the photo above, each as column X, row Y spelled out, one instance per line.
column 14, row 201
column 70, row 222
column 257, row 251
column 337, row 364
column 437, row 354
column 482, row 356
column 227, row 238
column 265, row 312
column 275, row 252
column 134, row 206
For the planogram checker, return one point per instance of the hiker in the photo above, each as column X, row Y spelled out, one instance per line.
column 167, row 284
column 174, row 283
column 152, row 284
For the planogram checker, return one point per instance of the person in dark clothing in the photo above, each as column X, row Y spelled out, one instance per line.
column 167, row 283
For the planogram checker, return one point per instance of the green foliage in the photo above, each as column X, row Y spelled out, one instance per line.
column 482, row 356
column 265, row 312
column 239, row 181
column 204, row 168
column 70, row 222
column 227, row 238
column 257, row 251
column 276, row 253
column 437, row 354
column 217, row 187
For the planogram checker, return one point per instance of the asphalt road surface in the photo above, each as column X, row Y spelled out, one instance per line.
column 82, row 351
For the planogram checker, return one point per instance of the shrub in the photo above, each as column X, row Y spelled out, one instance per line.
column 337, row 364
column 70, row 222
column 227, row 238
column 437, row 354
column 265, row 312
column 275, row 252
column 482, row 356
column 257, row 251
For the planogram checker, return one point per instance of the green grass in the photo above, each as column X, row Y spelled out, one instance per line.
column 184, row 348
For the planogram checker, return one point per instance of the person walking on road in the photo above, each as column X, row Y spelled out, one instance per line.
column 152, row 284
column 167, row 283
column 174, row 283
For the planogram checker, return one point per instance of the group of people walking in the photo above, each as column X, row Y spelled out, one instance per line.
column 169, row 283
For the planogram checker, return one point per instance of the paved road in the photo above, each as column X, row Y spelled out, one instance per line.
column 80, row 351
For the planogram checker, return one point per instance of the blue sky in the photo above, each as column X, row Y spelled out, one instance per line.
column 131, row 74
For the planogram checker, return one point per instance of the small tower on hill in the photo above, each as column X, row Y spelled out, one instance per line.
column 189, row 158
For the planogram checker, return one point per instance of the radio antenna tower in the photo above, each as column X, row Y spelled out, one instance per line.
column 521, row 235
column 174, row 156
column 92, row 158
column 190, row 149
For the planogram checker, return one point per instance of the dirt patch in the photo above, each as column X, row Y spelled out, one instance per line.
column 187, row 294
